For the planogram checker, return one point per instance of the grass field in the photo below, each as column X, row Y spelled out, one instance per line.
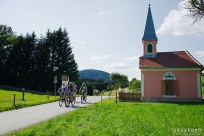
column 203, row 92
column 125, row 118
column 112, row 93
column 7, row 97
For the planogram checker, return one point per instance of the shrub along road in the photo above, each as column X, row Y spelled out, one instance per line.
column 17, row 119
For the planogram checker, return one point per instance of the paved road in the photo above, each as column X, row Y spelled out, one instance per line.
column 16, row 119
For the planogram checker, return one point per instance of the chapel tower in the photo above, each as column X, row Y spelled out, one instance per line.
column 149, row 38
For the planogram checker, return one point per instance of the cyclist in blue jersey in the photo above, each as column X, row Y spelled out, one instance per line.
column 70, row 88
column 63, row 89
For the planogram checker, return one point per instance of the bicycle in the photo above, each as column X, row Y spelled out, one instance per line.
column 71, row 99
column 63, row 99
column 74, row 97
column 83, row 97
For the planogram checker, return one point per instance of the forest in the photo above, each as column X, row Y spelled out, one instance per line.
column 27, row 61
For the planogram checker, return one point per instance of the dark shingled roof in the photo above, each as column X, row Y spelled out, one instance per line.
column 177, row 59
column 149, row 33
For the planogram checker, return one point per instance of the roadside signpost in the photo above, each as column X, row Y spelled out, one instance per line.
column 55, row 79
column 23, row 94
column 55, row 82
column 65, row 79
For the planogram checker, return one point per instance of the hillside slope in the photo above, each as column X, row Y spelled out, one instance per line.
column 95, row 74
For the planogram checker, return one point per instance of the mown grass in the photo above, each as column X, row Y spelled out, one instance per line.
column 203, row 92
column 7, row 98
column 106, row 93
column 124, row 118
column 113, row 92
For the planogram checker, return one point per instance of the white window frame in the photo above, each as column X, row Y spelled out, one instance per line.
column 170, row 78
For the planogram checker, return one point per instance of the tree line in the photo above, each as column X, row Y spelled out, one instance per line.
column 116, row 81
column 98, row 84
column 31, row 62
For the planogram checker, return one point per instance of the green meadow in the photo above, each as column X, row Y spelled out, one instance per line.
column 203, row 92
column 7, row 98
column 124, row 118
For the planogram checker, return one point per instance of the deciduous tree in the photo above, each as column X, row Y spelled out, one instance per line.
column 134, row 84
column 195, row 8
column 120, row 80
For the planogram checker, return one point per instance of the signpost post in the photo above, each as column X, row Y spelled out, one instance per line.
column 55, row 82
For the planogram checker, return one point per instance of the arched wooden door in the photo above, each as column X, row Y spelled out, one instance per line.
column 169, row 85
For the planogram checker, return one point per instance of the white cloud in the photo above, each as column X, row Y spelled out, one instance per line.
column 101, row 13
column 132, row 58
column 131, row 71
column 178, row 24
column 104, row 12
column 99, row 58
column 200, row 54
column 119, row 66
column 83, row 42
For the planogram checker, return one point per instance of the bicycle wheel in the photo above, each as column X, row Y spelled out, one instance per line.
column 68, row 101
column 72, row 101
column 81, row 99
column 85, row 98
column 60, row 101
column 65, row 101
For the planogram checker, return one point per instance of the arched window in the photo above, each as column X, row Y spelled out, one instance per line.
column 149, row 48
column 169, row 76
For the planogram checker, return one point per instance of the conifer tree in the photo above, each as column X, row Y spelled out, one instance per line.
column 7, row 37
column 55, row 57
column 26, row 61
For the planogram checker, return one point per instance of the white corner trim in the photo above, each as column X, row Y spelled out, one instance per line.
column 142, row 85
column 199, row 85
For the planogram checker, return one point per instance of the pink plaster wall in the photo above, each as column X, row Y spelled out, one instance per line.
column 187, row 81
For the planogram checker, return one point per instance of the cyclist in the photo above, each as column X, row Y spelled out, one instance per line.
column 70, row 88
column 84, row 89
column 71, row 93
column 63, row 89
column 74, row 89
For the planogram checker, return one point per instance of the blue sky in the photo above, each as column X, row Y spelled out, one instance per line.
column 107, row 34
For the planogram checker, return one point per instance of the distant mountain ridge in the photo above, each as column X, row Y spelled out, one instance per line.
column 95, row 74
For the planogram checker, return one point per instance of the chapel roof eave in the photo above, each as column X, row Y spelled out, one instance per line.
column 175, row 59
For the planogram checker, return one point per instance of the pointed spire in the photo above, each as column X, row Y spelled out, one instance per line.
column 149, row 33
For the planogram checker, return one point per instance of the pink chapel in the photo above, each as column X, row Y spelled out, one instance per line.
column 167, row 75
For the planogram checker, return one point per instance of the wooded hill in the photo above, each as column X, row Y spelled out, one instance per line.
column 94, row 74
